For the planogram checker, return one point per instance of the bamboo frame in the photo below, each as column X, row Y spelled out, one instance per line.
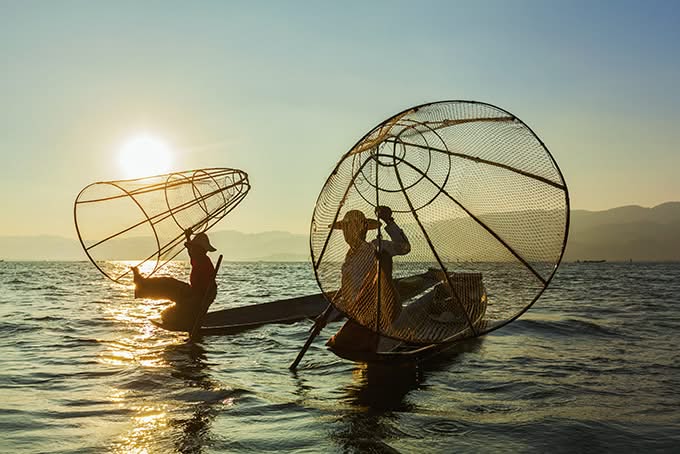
column 385, row 134
column 234, row 180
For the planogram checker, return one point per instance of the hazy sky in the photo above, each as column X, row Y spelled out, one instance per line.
column 283, row 89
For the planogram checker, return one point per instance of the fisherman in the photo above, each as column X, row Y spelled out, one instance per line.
column 189, row 298
column 361, row 286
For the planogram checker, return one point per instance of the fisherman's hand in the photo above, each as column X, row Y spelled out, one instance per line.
column 384, row 212
column 187, row 233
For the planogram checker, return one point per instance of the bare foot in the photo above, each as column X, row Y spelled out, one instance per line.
column 135, row 274
column 138, row 279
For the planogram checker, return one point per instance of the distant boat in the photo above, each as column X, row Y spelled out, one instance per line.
column 594, row 261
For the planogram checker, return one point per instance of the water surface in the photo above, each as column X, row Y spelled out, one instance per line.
column 592, row 367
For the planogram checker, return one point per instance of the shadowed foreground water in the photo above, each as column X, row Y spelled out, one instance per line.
column 592, row 367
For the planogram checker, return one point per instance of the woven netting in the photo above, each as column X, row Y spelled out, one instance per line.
column 143, row 220
column 484, row 207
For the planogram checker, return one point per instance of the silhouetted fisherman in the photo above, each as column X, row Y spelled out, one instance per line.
column 371, row 297
column 189, row 298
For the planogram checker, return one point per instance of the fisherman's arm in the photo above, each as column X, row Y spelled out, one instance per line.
column 399, row 244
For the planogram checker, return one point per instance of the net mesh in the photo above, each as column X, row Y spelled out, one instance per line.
column 482, row 204
column 143, row 220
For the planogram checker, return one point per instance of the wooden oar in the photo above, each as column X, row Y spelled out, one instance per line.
column 319, row 323
column 205, row 304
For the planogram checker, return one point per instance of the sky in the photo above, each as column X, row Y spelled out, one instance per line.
column 283, row 89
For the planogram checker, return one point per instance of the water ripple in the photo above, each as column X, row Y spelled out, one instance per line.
column 592, row 367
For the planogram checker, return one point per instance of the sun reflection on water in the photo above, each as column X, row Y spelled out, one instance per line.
column 163, row 379
column 173, row 405
column 147, row 426
column 144, row 347
column 141, row 347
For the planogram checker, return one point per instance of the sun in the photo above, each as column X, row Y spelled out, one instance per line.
column 143, row 156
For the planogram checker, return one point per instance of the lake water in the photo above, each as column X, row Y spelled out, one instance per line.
column 594, row 366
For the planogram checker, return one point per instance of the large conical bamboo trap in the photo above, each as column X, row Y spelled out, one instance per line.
column 482, row 202
column 143, row 220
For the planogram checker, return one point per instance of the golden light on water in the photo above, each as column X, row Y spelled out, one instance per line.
column 155, row 354
column 144, row 155
column 147, row 426
column 147, row 419
column 143, row 347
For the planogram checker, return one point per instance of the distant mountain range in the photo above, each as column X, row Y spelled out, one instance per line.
column 236, row 246
column 619, row 234
column 626, row 233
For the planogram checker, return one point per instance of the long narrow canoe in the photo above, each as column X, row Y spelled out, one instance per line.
column 238, row 319
column 291, row 310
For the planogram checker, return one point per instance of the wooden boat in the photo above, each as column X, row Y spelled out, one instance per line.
column 291, row 310
column 238, row 319
column 434, row 310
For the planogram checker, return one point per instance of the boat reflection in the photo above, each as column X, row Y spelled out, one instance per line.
column 379, row 394
column 376, row 396
column 383, row 387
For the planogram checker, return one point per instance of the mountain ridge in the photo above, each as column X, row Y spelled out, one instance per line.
column 629, row 232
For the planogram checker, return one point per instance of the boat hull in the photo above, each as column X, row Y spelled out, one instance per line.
column 290, row 310
column 394, row 351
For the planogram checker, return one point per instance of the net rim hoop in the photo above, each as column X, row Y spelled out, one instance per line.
column 127, row 193
column 196, row 190
column 191, row 180
column 398, row 140
column 167, row 200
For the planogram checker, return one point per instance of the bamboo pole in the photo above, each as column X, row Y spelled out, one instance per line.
column 319, row 323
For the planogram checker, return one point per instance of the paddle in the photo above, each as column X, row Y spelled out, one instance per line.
column 319, row 323
column 205, row 304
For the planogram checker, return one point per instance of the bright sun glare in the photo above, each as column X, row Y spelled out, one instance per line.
column 144, row 156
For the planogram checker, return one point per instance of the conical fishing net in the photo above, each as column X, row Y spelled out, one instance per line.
column 481, row 202
column 143, row 220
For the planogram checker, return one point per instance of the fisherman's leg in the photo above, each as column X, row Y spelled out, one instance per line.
column 162, row 288
column 178, row 317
